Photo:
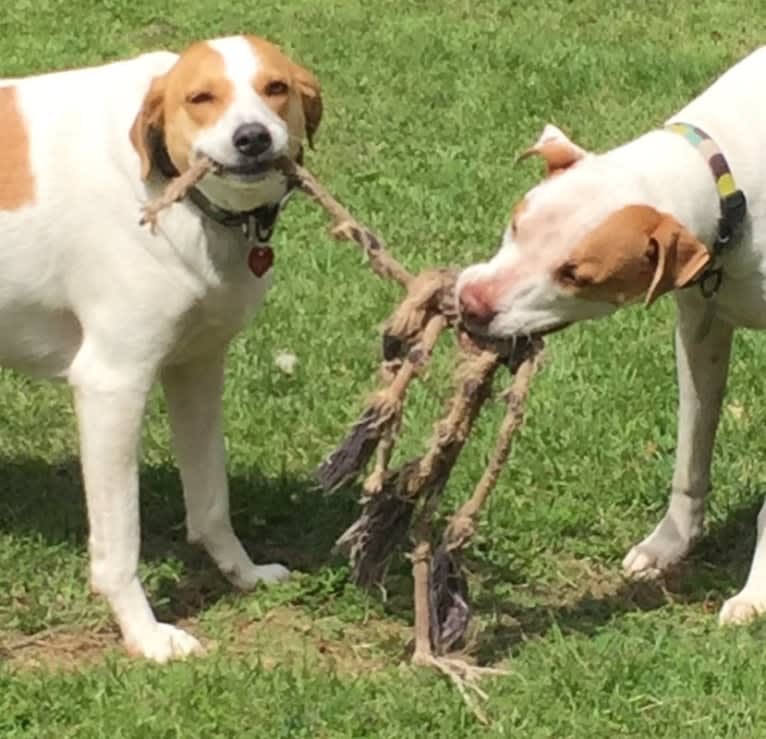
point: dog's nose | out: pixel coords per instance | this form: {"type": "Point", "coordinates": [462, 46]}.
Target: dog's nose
{"type": "Point", "coordinates": [252, 139]}
{"type": "Point", "coordinates": [475, 306]}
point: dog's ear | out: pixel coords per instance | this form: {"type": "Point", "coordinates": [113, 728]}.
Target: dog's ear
{"type": "Point", "coordinates": [149, 117]}
{"type": "Point", "coordinates": [557, 149]}
{"type": "Point", "coordinates": [679, 257]}
{"type": "Point", "coordinates": [311, 98]}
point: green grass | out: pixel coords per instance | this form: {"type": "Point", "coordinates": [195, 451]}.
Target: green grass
{"type": "Point", "coordinates": [427, 106]}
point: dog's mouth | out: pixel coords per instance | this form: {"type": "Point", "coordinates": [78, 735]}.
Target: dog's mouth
{"type": "Point", "coordinates": [553, 329]}
{"type": "Point", "coordinates": [246, 171]}
{"type": "Point", "coordinates": [481, 335]}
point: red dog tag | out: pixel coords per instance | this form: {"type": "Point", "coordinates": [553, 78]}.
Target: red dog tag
{"type": "Point", "coordinates": [260, 260]}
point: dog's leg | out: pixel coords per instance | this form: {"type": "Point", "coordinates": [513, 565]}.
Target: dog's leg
{"type": "Point", "coordinates": [194, 394]}
{"type": "Point", "coordinates": [110, 427]}
{"type": "Point", "coordinates": [751, 600]}
{"type": "Point", "coordinates": [702, 370]}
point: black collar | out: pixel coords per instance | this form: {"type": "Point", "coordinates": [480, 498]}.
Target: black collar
{"type": "Point", "coordinates": [258, 223]}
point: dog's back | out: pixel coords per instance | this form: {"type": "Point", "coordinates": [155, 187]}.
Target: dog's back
{"type": "Point", "coordinates": [67, 168]}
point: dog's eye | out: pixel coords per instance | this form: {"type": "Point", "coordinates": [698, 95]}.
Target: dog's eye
{"type": "Point", "coordinates": [567, 275]}
{"type": "Point", "coordinates": [198, 98]}
{"type": "Point", "coordinates": [276, 87]}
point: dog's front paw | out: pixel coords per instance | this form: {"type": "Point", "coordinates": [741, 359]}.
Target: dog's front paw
{"type": "Point", "coordinates": [643, 562]}
{"type": "Point", "coordinates": [162, 643]}
{"type": "Point", "coordinates": [273, 573]}
{"type": "Point", "coordinates": [235, 564]}
{"type": "Point", "coordinates": [248, 578]}
{"type": "Point", "coordinates": [742, 608]}
{"type": "Point", "coordinates": [655, 554]}
{"type": "Point", "coordinates": [670, 542]}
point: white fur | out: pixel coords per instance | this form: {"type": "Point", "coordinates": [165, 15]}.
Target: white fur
{"type": "Point", "coordinates": [662, 170]}
{"type": "Point", "coordinates": [90, 297]}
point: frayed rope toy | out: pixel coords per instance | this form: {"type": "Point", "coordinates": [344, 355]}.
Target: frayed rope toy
{"type": "Point", "coordinates": [404, 499]}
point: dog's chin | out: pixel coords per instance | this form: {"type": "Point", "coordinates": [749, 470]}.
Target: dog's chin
{"type": "Point", "coordinates": [552, 329]}
{"type": "Point", "coordinates": [486, 334]}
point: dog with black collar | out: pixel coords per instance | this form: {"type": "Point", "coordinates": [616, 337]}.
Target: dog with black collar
{"type": "Point", "coordinates": [89, 296]}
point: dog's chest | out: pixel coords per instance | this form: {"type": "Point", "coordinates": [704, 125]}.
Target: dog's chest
{"type": "Point", "coordinates": [232, 285]}
{"type": "Point", "coordinates": [742, 303]}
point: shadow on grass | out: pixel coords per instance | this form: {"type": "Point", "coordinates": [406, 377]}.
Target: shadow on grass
{"type": "Point", "coordinates": [716, 569]}
{"type": "Point", "coordinates": [281, 519]}
{"type": "Point", "coordinates": [287, 520]}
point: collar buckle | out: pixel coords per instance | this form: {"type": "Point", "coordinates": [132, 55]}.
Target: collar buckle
{"type": "Point", "coordinates": [734, 207]}
{"type": "Point", "coordinates": [733, 211]}
{"type": "Point", "coordinates": [249, 228]}
{"type": "Point", "coordinates": [710, 282]}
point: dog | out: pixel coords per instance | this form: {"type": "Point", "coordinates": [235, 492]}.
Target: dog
{"type": "Point", "coordinates": [90, 297]}
{"type": "Point", "coordinates": [682, 210]}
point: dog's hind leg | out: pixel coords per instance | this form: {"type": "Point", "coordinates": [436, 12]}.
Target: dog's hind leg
{"type": "Point", "coordinates": [194, 394]}
{"type": "Point", "coordinates": [702, 366]}
{"type": "Point", "coordinates": [751, 600]}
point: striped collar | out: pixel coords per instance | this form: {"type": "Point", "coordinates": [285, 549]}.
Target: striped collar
{"type": "Point", "coordinates": [732, 201]}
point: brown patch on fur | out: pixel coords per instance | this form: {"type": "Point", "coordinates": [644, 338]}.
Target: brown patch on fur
{"type": "Point", "coordinates": [558, 151]}
{"type": "Point", "coordinates": [193, 95]}
{"type": "Point", "coordinates": [149, 117]}
{"type": "Point", "coordinates": [17, 181]}
{"type": "Point", "coordinates": [636, 251]}
{"type": "Point", "coordinates": [516, 212]}
{"type": "Point", "coordinates": [300, 106]}
{"type": "Point", "coordinates": [558, 156]}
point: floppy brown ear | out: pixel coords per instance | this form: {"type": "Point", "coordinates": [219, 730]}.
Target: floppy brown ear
{"type": "Point", "coordinates": [680, 258]}
{"type": "Point", "coordinates": [149, 117]}
{"type": "Point", "coordinates": [311, 97]}
{"type": "Point", "coordinates": [557, 149]}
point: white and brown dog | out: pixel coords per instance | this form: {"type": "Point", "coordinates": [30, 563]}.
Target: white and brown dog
{"type": "Point", "coordinates": [89, 296]}
{"type": "Point", "coordinates": [659, 214]}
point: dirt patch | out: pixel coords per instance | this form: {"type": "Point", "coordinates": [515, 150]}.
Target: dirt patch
{"type": "Point", "coordinates": [286, 635]}
{"type": "Point", "coordinates": [57, 648]}
{"type": "Point", "coordinates": [576, 580]}
{"type": "Point", "coordinates": [283, 636]}
{"type": "Point", "coordinates": [580, 596]}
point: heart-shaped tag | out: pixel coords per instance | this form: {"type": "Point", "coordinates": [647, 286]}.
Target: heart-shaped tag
{"type": "Point", "coordinates": [260, 260]}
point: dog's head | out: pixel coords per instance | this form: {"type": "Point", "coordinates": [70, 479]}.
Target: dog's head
{"type": "Point", "coordinates": [239, 101]}
{"type": "Point", "coordinates": [578, 246]}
